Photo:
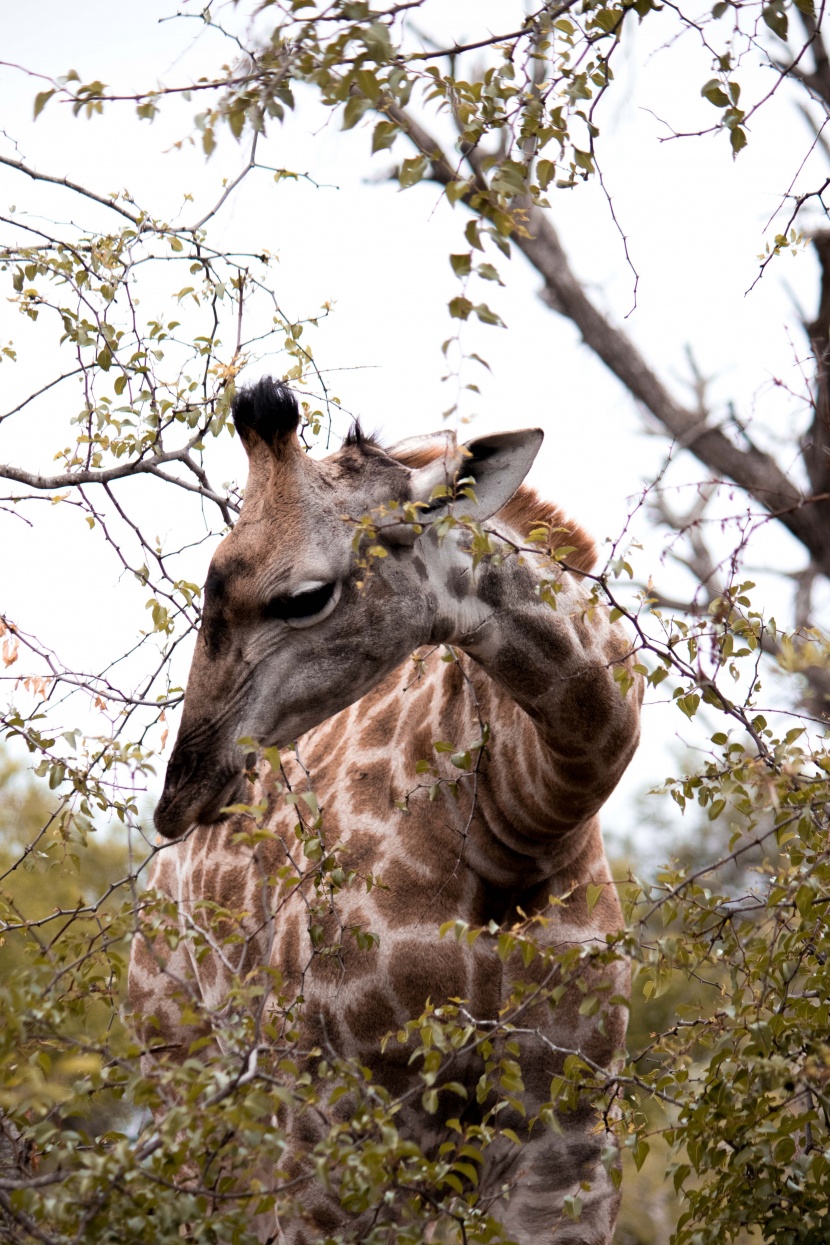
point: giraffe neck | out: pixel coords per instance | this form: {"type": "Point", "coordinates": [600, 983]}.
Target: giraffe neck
{"type": "Point", "coordinates": [560, 661]}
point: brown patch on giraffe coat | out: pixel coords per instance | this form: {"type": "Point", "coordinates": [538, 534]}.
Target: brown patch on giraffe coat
{"type": "Point", "coordinates": [391, 1068]}
{"type": "Point", "coordinates": [289, 949]}
{"type": "Point", "coordinates": [213, 878]}
{"type": "Point", "coordinates": [344, 1108]}
{"type": "Point", "coordinates": [486, 981]}
{"type": "Point", "coordinates": [375, 734]}
{"type": "Point", "coordinates": [436, 971]}
{"type": "Point", "coordinates": [617, 645]}
{"type": "Point", "coordinates": [320, 742]}
{"type": "Point", "coordinates": [322, 1027]}
{"type": "Point", "coordinates": [514, 670]}
{"type": "Point", "coordinates": [370, 1016]}
{"type": "Point", "coordinates": [606, 914]}
{"type": "Point", "coordinates": [411, 887]}
{"type": "Point", "coordinates": [362, 851]}
{"type": "Point", "coordinates": [146, 962]}
{"type": "Point", "coordinates": [583, 702]}
{"type": "Point", "coordinates": [370, 787]}
{"type": "Point", "coordinates": [208, 971]}
{"type": "Point", "coordinates": [418, 743]}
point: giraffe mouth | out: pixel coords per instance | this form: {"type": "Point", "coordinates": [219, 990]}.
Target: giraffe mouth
{"type": "Point", "coordinates": [182, 806]}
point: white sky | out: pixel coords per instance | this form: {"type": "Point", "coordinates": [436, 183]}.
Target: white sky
{"type": "Point", "coordinates": [695, 222]}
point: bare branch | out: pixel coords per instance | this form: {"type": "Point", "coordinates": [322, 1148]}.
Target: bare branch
{"type": "Point", "coordinates": [81, 190]}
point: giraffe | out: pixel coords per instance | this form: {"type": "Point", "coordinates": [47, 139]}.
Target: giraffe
{"type": "Point", "coordinates": [302, 640]}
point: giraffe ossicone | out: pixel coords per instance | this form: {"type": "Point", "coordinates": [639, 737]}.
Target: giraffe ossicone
{"type": "Point", "coordinates": [303, 640]}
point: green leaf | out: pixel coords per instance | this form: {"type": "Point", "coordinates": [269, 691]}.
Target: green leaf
{"type": "Point", "coordinates": [713, 91]}
{"type": "Point", "coordinates": [592, 894]}
{"type": "Point", "coordinates": [368, 84]}
{"type": "Point", "coordinates": [456, 190]}
{"type": "Point", "coordinates": [776, 19]}
{"type": "Point", "coordinates": [356, 106]}
{"type": "Point", "coordinates": [461, 264]}
{"type": "Point", "coordinates": [488, 316]}
{"type": "Point", "coordinates": [41, 100]}
{"type": "Point", "coordinates": [460, 308]}
{"type": "Point", "coordinates": [384, 135]}
{"type": "Point", "coordinates": [737, 138]}
{"type": "Point", "coordinates": [572, 1206]}
{"type": "Point", "coordinates": [689, 704]}
{"type": "Point", "coordinates": [412, 171]}
{"type": "Point", "coordinates": [429, 1101]}
{"type": "Point", "coordinates": [545, 171]}
{"type": "Point", "coordinates": [488, 273]}
{"type": "Point", "coordinates": [681, 1173]}
{"type": "Point", "coordinates": [472, 234]}
{"type": "Point", "coordinates": [236, 121]}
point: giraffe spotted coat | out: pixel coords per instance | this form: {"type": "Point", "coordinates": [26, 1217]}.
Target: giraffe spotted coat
{"type": "Point", "coordinates": [298, 642]}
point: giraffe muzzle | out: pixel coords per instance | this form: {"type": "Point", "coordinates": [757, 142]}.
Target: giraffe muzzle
{"type": "Point", "coordinates": [187, 800]}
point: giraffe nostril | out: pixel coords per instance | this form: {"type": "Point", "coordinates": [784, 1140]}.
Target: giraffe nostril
{"type": "Point", "coordinates": [180, 769]}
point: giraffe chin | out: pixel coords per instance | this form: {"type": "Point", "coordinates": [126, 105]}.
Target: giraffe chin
{"type": "Point", "coordinates": [179, 811]}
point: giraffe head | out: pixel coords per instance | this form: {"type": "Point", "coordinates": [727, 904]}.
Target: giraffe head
{"type": "Point", "coordinates": [292, 629]}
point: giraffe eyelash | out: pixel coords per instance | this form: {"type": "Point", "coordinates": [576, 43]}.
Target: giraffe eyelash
{"type": "Point", "coordinates": [303, 608]}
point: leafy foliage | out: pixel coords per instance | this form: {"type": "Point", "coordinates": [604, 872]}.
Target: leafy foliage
{"type": "Point", "coordinates": [727, 1074]}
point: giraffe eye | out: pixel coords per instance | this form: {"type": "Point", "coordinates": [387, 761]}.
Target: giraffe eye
{"type": "Point", "coordinates": [309, 604]}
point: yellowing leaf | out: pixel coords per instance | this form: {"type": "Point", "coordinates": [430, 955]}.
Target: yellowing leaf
{"type": "Point", "coordinates": [592, 894]}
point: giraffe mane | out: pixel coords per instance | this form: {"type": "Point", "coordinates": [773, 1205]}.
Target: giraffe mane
{"type": "Point", "coordinates": [525, 511]}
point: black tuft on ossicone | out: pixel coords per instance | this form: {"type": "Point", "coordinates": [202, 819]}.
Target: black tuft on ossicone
{"type": "Point", "coordinates": [366, 442]}
{"type": "Point", "coordinates": [356, 436]}
{"type": "Point", "coordinates": [268, 409]}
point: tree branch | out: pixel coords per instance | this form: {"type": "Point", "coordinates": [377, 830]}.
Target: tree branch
{"type": "Point", "coordinates": [81, 190]}
{"type": "Point", "coordinates": [817, 81]}
{"type": "Point", "coordinates": [750, 468]}
{"type": "Point", "coordinates": [139, 466]}
{"type": "Point", "coordinates": [816, 447]}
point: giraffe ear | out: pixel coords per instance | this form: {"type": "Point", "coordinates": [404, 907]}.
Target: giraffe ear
{"type": "Point", "coordinates": [416, 451]}
{"type": "Point", "coordinates": [496, 464]}
{"type": "Point", "coordinates": [266, 413]}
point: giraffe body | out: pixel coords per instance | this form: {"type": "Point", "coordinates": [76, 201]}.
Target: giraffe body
{"type": "Point", "coordinates": [531, 691]}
